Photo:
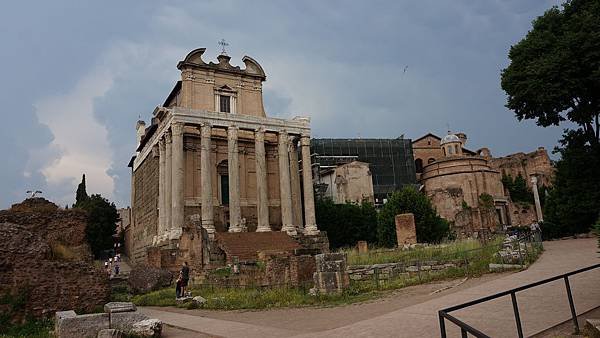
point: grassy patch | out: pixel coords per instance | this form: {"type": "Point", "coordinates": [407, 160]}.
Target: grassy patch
{"type": "Point", "coordinates": [31, 328]}
{"type": "Point", "coordinates": [475, 255]}
{"type": "Point", "coordinates": [450, 251]}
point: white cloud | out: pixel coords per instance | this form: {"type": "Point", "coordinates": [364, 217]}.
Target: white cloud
{"type": "Point", "coordinates": [81, 139]}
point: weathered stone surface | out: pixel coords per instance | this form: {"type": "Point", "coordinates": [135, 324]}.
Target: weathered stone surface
{"type": "Point", "coordinates": [406, 231]}
{"type": "Point", "coordinates": [199, 300]}
{"type": "Point", "coordinates": [182, 300]}
{"type": "Point", "coordinates": [45, 248]}
{"type": "Point", "coordinates": [59, 317]}
{"type": "Point", "coordinates": [83, 326]}
{"type": "Point", "coordinates": [125, 320]}
{"type": "Point", "coordinates": [362, 246]}
{"type": "Point", "coordinates": [144, 278]}
{"type": "Point", "coordinates": [331, 275]}
{"type": "Point", "coordinates": [110, 333]}
{"type": "Point", "coordinates": [148, 328]}
{"type": "Point", "coordinates": [592, 328]}
{"type": "Point", "coordinates": [114, 307]}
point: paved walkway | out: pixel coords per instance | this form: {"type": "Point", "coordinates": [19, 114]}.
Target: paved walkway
{"type": "Point", "coordinates": [540, 308]}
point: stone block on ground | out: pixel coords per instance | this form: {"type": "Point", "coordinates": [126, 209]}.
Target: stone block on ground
{"type": "Point", "coordinates": [125, 320]}
{"type": "Point", "coordinates": [362, 247]}
{"type": "Point", "coordinates": [147, 328]}
{"type": "Point", "coordinates": [110, 333]}
{"type": "Point", "coordinates": [182, 300]}
{"type": "Point", "coordinates": [406, 231]}
{"type": "Point", "coordinates": [144, 278]}
{"type": "Point", "coordinates": [59, 317]}
{"type": "Point", "coordinates": [83, 326]}
{"type": "Point", "coordinates": [199, 300]}
{"type": "Point", "coordinates": [592, 328]}
{"type": "Point", "coordinates": [114, 307]}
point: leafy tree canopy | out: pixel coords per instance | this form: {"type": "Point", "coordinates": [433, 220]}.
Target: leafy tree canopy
{"type": "Point", "coordinates": [430, 227]}
{"type": "Point", "coordinates": [573, 204]}
{"type": "Point", "coordinates": [554, 72]}
{"type": "Point", "coordinates": [102, 222]}
{"type": "Point", "coordinates": [348, 223]}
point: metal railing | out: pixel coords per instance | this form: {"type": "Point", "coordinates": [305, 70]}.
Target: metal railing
{"type": "Point", "coordinates": [466, 328]}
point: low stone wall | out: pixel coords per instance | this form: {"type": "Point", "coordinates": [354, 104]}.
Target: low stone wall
{"type": "Point", "coordinates": [389, 270]}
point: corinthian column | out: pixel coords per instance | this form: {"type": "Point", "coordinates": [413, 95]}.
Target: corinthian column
{"type": "Point", "coordinates": [310, 227]}
{"type": "Point", "coordinates": [295, 184]}
{"type": "Point", "coordinates": [161, 187]}
{"type": "Point", "coordinates": [285, 194]}
{"type": "Point", "coordinates": [233, 169]}
{"type": "Point", "coordinates": [168, 181]}
{"type": "Point", "coordinates": [206, 179]}
{"type": "Point", "coordinates": [262, 198]}
{"type": "Point", "coordinates": [178, 177]}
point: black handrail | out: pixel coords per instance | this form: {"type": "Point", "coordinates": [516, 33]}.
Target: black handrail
{"type": "Point", "coordinates": [466, 328]}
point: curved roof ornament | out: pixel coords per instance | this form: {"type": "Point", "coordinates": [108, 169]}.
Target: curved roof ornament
{"type": "Point", "coordinates": [194, 57]}
{"type": "Point", "coordinates": [253, 67]}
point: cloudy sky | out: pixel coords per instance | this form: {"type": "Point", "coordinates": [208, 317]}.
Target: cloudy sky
{"type": "Point", "coordinates": [77, 74]}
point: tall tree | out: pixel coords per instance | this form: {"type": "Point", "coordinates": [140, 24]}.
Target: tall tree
{"type": "Point", "coordinates": [81, 194]}
{"type": "Point", "coordinates": [102, 222]}
{"type": "Point", "coordinates": [554, 72]}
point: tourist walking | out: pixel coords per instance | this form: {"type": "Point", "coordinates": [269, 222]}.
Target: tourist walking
{"type": "Point", "coordinates": [117, 266]}
{"type": "Point", "coordinates": [185, 277]}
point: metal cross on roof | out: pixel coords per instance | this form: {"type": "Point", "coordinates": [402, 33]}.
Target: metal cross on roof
{"type": "Point", "coordinates": [223, 44]}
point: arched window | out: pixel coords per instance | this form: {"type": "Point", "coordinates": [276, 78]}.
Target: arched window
{"type": "Point", "coordinates": [419, 165]}
{"type": "Point", "coordinates": [430, 160]}
{"type": "Point", "coordinates": [450, 150]}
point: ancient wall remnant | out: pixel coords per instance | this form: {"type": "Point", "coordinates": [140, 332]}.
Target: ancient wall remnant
{"type": "Point", "coordinates": [331, 275]}
{"type": "Point", "coordinates": [406, 231]}
{"type": "Point", "coordinates": [45, 258]}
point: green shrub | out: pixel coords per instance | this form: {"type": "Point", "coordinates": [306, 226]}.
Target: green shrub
{"type": "Point", "coordinates": [347, 223]}
{"type": "Point", "coordinates": [430, 227]}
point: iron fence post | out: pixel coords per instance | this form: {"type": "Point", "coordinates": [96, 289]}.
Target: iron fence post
{"type": "Point", "coordinates": [513, 297]}
{"type": "Point", "coordinates": [572, 305]}
{"type": "Point", "coordinates": [442, 325]}
{"type": "Point", "coordinates": [463, 332]}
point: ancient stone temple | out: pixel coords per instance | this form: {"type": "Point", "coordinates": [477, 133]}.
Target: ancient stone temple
{"type": "Point", "coordinates": [211, 158]}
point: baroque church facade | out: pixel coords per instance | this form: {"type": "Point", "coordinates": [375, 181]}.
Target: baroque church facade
{"type": "Point", "coordinates": [212, 157]}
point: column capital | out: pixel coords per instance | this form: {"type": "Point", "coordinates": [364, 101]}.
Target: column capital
{"type": "Point", "coordinates": [305, 140]}
{"type": "Point", "coordinates": [206, 130]}
{"type": "Point", "coordinates": [177, 128]}
{"type": "Point", "coordinates": [161, 144]}
{"type": "Point", "coordinates": [260, 130]}
{"type": "Point", "coordinates": [168, 136]}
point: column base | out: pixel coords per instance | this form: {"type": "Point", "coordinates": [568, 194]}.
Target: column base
{"type": "Point", "coordinates": [311, 230]}
{"type": "Point", "coordinates": [290, 229]}
{"type": "Point", "coordinates": [209, 227]}
{"type": "Point", "coordinates": [263, 229]}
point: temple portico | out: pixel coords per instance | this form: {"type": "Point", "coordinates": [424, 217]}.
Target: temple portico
{"type": "Point", "coordinates": [179, 129]}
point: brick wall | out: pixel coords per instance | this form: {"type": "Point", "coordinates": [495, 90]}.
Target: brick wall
{"type": "Point", "coordinates": [145, 209]}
